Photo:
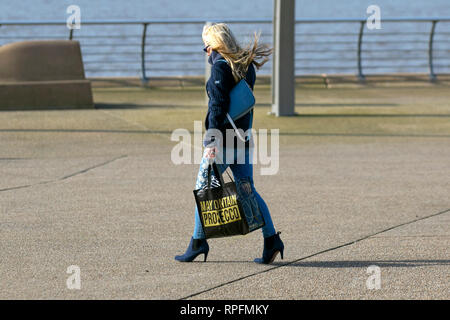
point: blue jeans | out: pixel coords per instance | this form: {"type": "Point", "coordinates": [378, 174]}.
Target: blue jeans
{"type": "Point", "coordinates": [243, 176]}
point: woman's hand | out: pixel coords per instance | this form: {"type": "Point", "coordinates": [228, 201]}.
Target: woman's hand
{"type": "Point", "coordinates": [210, 152]}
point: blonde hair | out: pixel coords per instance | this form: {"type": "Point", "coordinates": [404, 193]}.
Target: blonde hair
{"type": "Point", "coordinates": [220, 38]}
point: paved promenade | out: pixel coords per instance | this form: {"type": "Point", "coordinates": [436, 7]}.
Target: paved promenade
{"type": "Point", "coordinates": [363, 181]}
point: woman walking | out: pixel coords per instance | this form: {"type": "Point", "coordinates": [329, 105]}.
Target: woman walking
{"type": "Point", "coordinates": [230, 64]}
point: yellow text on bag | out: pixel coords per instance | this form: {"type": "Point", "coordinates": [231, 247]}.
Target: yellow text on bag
{"type": "Point", "coordinates": [220, 212]}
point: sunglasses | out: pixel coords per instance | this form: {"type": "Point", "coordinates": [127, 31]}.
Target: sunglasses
{"type": "Point", "coordinates": [206, 48]}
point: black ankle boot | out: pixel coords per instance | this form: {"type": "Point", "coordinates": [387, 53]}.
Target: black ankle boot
{"type": "Point", "coordinates": [196, 247]}
{"type": "Point", "coordinates": [272, 245]}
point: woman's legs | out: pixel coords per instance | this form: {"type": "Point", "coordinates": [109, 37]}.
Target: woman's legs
{"type": "Point", "coordinates": [268, 230]}
{"type": "Point", "coordinates": [243, 176]}
{"type": "Point", "coordinates": [198, 230]}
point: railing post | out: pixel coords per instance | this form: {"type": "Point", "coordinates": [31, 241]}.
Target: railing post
{"type": "Point", "coordinates": [361, 76]}
{"type": "Point", "coordinates": [430, 52]}
{"type": "Point", "coordinates": [274, 69]}
{"type": "Point", "coordinates": [284, 59]}
{"type": "Point", "coordinates": [144, 78]}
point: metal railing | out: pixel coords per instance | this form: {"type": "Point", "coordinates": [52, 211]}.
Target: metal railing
{"type": "Point", "coordinates": [386, 45]}
{"type": "Point", "coordinates": [173, 47]}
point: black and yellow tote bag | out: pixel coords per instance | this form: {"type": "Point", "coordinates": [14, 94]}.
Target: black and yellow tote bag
{"type": "Point", "coordinates": [220, 209]}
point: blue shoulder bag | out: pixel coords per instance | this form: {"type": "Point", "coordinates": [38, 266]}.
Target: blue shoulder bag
{"type": "Point", "coordinates": [242, 102]}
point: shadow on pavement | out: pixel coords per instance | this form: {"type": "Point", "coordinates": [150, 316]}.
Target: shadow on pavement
{"type": "Point", "coordinates": [339, 105]}
{"type": "Point", "coordinates": [343, 264]}
{"type": "Point", "coordinates": [135, 106]}
{"type": "Point", "coordinates": [362, 264]}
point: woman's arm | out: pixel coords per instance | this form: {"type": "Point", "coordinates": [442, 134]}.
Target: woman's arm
{"type": "Point", "coordinates": [219, 87]}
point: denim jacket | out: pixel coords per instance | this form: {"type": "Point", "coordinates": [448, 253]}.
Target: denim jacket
{"type": "Point", "coordinates": [218, 88]}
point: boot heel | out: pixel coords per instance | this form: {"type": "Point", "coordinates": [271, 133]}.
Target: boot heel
{"type": "Point", "coordinates": [196, 247]}
{"type": "Point", "coordinates": [272, 246]}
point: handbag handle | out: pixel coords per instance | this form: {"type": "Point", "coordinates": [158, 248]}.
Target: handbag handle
{"type": "Point", "coordinates": [217, 174]}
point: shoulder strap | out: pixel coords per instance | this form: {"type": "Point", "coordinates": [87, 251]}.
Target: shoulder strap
{"type": "Point", "coordinates": [223, 60]}
{"type": "Point", "coordinates": [238, 134]}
